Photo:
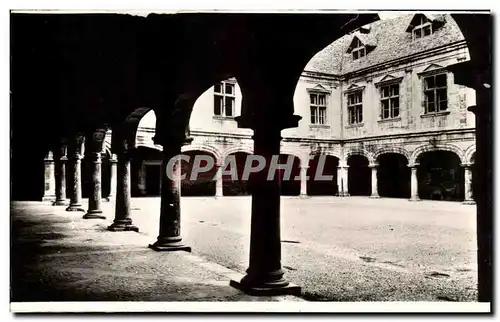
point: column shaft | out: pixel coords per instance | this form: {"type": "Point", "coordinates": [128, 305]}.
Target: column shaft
{"type": "Point", "coordinates": [169, 238]}
{"type": "Point", "coordinates": [49, 193]}
{"type": "Point", "coordinates": [75, 203]}
{"type": "Point", "coordinates": [414, 184]}
{"type": "Point", "coordinates": [303, 181]}
{"type": "Point", "coordinates": [123, 220]}
{"type": "Point", "coordinates": [374, 182]}
{"type": "Point", "coordinates": [141, 184]}
{"type": "Point", "coordinates": [468, 199]}
{"type": "Point", "coordinates": [60, 182]}
{"type": "Point", "coordinates": [112, 178]}
{"type": "Point", "coordinates": [94, 210]}
{"type": "Point", "coordinates": [219, 187]}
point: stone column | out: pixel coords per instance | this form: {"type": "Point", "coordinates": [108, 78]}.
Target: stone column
{"type": "Point", "coordinates": [414, 182]}
{"type": "Point", "coordinates": [468, 200]}
{"type": "Point", "coordinates": [374, 181]}
{"type": "Point", "coordinates": [112, 178]}
{"type": "Point", "coordinates": [303, 181]}
{"type": "Point", "coordinates": [219, 183]}
{"type": "Point", "coordinates": [95, 149]}
{"type": "Point", "coordinates": [123, 220]}
{"type": "Point", "coordinates": [75, 150]}
{"type": "Point", "coordinates": [264, 274]}
{"type": "Point", "coordinates": [169, 238]}
{"type": "Point", "coordinates": [49, 193]}
{"type": "Point", "coordinates": [342, 177]}
{"type": "Point", "coordinates": [60, 173]}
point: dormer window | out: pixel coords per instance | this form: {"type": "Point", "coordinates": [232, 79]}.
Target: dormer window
{"type": "Point", "coordinates": [358, 49]}
{"type": "Point", "coordinates": [425, 25]}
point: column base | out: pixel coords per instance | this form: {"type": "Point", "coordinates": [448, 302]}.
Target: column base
{"type": "Point", "coordinates": [265, 290]}
{"type": "Point", "coordinates": [343, 194]}
{"type": "Point", "coordinates": [75, 208]}
{"type": "Point", "coordinates": [92, 214]}
{"type": "Point", "coordinates": [414, 199]}
{"type": "Point", "coordinates": [166, 247]}
{"type": "Point", "coordinates": [468, 202]}
{"type": "Point", "coordinates": [304, 196]}
{"type": "Point", "coordinates": [374, 197]}
{"type": "Point", "coordinates": [123, 227]}
{"type": "Point", "coordinates": [48, 198]}
{"type": "Point", "coordinates": [60, 203]}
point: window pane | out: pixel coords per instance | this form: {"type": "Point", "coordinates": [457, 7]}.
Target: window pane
{"type": "Point", "coordinates": [441, 80]}
{"type": "Point", "coordinates": [313, 114]}
{"type": "Point", "coordinates": [354, 55]}
{"type": "Point", "coordinates": [395, 102]}
{"type": "Point", "coordinates": [218, 88]}
{"type": "Point", "coordinates": [395, 112]}
{"type": "Point", "coordinates": [385, 91]}
{"type": "Point", "coordinates": [430, 107]}
{"type": "Point", "coordinates": [429, 82]}
{"type": "Point", "coordinates": [313, 98]}
{"type": "Point", "coordinates": [427, 30]}
{"type": "Point", "coordinates": [359, 97]}
{"type": "Point", "coordinates": [394, 90]}
{"type": "Point", "coordinates": [217, 105]}
{"type": "Point", "coordinates": [230, 89]}
{"type": "Point", "coordinates": [418, 33]}
{"type": "Point", "coordinates": [350, 99]}
{"type": "Point", "coordinates": [443, 105]}
{"type": "Point", "coordinates": [321, 100]}
{"type": "Point", "coordinates": [441, 94]}
{"type": "Point", "coordinates": [322, 115]}
{"type": "Point", "coordinates": [229, 106]}
{"type": "Point", "coordinates": [351, 115]}
{"type": "Point", "coordinates": [362, 53]}
{"type": "Point", "coordinates": [360, 114]}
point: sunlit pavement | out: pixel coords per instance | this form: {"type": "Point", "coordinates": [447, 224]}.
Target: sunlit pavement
{"type": "Point", "coordinates": [344, 249]}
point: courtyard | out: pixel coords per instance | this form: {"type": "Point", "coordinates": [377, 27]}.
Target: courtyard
{"type": "Point", "coordinates": [336, 249]}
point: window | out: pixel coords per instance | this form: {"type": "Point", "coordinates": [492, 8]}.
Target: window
{"type": "Point", "coordinates": [435, 94]}
{"type": "Point", "coordinates": [423, 29]}
{"type": "Point", "coordinates": [355, 107]}
{"type": "Point", "coordinates": [389, 99]}
{"type": "Point", "coordinates": [359, 49]}
{"type": "Point", "coordinates": [318, 108]}
{"type": "Point", "coordinates": [224, 97]}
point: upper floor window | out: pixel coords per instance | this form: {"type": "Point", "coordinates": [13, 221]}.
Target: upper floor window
{"type": "Point", "coordinates": [358, 49]}
{"type": "Point", "coordinates": [424, 28]}
{"type": "Point", "coordinates": [435, 93]}
{"type": "Point", "coordinates": [224, 98]}
{"type": "Point", "coordinates": [318, 108]}
{"type": "Point", "coordinates": [355, 107]}
{"type": "Point", "coordinates": [389, 99]}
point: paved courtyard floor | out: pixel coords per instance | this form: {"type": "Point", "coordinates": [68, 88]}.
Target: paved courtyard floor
{"type": "Point", "coordinates": [337, 249]}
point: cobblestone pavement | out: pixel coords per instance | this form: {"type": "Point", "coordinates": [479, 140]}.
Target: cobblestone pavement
{"type": "Point", "coordinates": [337, 249]}
{"type": "Point", "coordinates": [342, 249]}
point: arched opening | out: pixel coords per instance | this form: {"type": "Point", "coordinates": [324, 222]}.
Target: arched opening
{"type": "Point", "coordinates": [236, 187]}
{"type": "Point", "coordinates": [196, 183]}
{"type": "Point", "coordinates": [440, 176]}
{"type": "Point", "coordinates": [359, 176]}
{"type": "Point", "coordinates": [393, 176]}
{"type": "Point", "coordinates": [290, 186]}
{"type": "Point", "coordinates": [316, 186]}
{"type": "Point", "coordinates": [146, 172]}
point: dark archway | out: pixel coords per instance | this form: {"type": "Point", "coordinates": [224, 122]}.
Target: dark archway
{"type": "Point", "coordinates": [146, 172]}
{"type": "Point", "coordinates": [237, 187]}
{"type": "Point", "coordinates": [440, 176]}
{"type": "Point", "coordinates": [318, 187]}
{"type": "Point", "coordinates": [289, 186]}
{"type": "Point", "coordinates": [359, 176]}
{"type": "Point", "coordinates": [393, 176]}
{"type": "Point", "coordinates": [203, 183]}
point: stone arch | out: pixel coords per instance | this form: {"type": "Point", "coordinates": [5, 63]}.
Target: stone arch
{"type": "Point", "coordinates": [362, 152]}
{"type": "Point", "coordinates": [205, 148]}
{"type": "Point", "coordinates": [391, 149]}
{"type": "Point", "coordinates": [469, 153]}
{"type": "Point", "coordinates": [415, 155]}
{"type": "Point", "coordinates": [304, 158]}
{"type": "Point", "coordinates": [236, 149]}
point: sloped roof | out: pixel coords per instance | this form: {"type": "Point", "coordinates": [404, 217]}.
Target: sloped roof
{"type": "Point", "coordinates": [392, 42]}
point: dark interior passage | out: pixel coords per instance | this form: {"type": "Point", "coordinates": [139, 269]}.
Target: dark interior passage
{"type": "Point", "coordinates": [237, 187]}
{"type": "Point", "coordinates": [316, 186]}
{"type": "Point", "coordinates": [440, 176]}
{"type": "Point", "coordinates": [202, 183]}
{"type": "Point", "coordinates": [289, 186]}
{"type": "Point", "coordinates": [393, 176]}
{"type": "Point", "coordinates": [359, 176]}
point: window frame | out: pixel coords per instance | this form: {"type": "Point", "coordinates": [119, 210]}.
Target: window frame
{"type": "Point", "coordinates": [389, 99]}
{"type": "Point", "coordinates": [224, 96]}
{"type": "Point", "coordinates": [357, 107]}
{"type": "Point", "coordinates": [424, 22]}
{"type": "Point", "coordinates": [318, 107]}
{"type": "Point", "coordinates": [360, 48]}
{"type": "Point", "coordinates": [434, 90]}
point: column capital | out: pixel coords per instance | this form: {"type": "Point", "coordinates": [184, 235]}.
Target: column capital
{"type": "Point", "coordinates": [49, 157]}
{"type": "Point", "coordinates": [413, 165]}
{"type": "Point", "coordinates": [373, 165]}
{"type": "Point", "coordinates": [466, 165]}
{"type": "Point", "coordinates": [113, 158]}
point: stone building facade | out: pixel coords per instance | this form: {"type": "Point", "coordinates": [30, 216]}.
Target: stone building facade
{"type": "Point", "coordinates": [378, 102]}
